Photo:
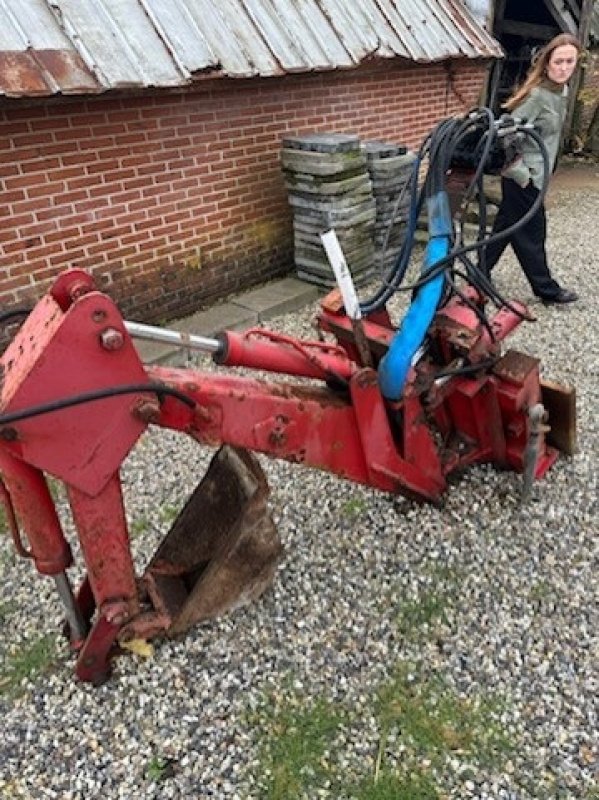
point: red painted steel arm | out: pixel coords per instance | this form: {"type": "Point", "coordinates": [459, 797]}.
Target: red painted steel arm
{"type": "Point", "coordinates": [347, 434]}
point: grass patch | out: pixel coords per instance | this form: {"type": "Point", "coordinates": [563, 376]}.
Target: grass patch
{"type": "Point", "coordinates": [392, 786]}
{"type": "Point", "coordinates": [421, 723]}
{"type": "Point", "coordinates": [294, 754]}
{"type": "Point", "coordinates": [540, 593]}
{"type": "Point", "coordinates": [7, 608]}
{"type": "Point", "coordinates": [427, 609]}
{"type": "Point", "coordinates": [56, 488]}
{"type": "Point", "coordinates": [434, 722]}
{"type": "Point", "coordinates": [142, 525]}
{"type": "Point", "coordinates": [28, 662]}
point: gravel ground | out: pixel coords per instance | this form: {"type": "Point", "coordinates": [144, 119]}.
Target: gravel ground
{"type": "Point", "coordinates": [511, 594]}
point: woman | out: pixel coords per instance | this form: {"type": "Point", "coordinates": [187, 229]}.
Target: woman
{"type": "Point", "coordinates": [541, 101]}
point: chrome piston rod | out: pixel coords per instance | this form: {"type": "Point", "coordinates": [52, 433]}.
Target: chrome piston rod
{"type": "Point", "coordinates": [189, 341]}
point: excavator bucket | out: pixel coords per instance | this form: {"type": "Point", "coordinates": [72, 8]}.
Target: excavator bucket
{"type": "Point", "coordinates": [222, 550]}
{"type": "Point", "coordinates": [560, 405]}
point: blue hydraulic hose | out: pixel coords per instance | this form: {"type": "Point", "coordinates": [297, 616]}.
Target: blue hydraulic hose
{"type": "Point", "coordinates": [394, 366]}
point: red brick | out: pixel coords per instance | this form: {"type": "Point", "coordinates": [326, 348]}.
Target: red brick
{"type": "Point", "coordinates": [52, 189]}
{"type": "Point", "coordinates": [156, 176]}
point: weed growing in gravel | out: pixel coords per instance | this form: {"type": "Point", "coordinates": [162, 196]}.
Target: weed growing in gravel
{"type": "Point", "coordinates": [6, 609]}
{"type": "Point", "coordinates": [540, 592]}
{"type": "Point", "coordinates": [8, 557]}
{"type": "Point", "coordinates": [417, 616]}
{"type": "Point", "coordinates": [159, 769]}
{"type": "Point", "coordinates": [139, 526]}
{"type": "Point", "coordinates": [56, 488]}
{"type": "Point", "coordinates": [354, 507]}
{"type": "Point", "coordinates": [390, 786]}
{"type": "Point", "coordinates": [168, 513]}
{"type": "Point", "coordinates": [143, 524]}
{"type": "Point", "coordinates": [27, 663]}
{"type": "Point", "coordinates": [421, 723]}
{"type": "Point", "coordinates": [427, 608]}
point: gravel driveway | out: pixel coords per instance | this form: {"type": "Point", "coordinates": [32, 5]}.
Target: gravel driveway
{"type": "Point", "coordinates": [380, 605]}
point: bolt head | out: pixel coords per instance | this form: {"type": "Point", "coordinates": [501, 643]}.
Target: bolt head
{"type": "Point", "coordinates": [112, 339]}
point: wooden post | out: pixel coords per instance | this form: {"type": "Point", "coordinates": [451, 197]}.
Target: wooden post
{"type": "Point", "coordinates": [584, 28]}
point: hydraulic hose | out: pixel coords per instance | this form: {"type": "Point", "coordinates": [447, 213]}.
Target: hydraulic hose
{"type": "Point", "coordinates": [394, 366]}
{"type": "Point", "coordinates": [88, 397]}
{"type": "Point", "coordinates": [436, 283]}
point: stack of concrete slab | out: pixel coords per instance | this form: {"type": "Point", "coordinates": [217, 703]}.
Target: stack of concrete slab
{"type": "Point", "coordinates": [390, 168]}
{"type": "Point", "coordinates": [329, 187]}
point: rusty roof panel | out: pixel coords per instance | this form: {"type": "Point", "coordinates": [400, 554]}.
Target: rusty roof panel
{"type": "Point", "coordinates": [19, 74]}
{"type": "Point", "coordinates": [68, 46]}
{"type": "Point", "coordinates": [67, 71]}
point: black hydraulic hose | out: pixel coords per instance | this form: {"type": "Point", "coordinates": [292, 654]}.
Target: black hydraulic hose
{"type": "Point", "coordinates": [489, 139]}
{"type": "Point", "coordinates": [442, 263]}
{"type": "Point", "coordinates": [439, 145]}
{"type": "Point", "coordinates": [482, 211]}
{"type": "Point", "coordinates": [479, 279]}
{"type": "Point", "coordinates": [397, 272]}
{"type": "Point", "coordinates": [413, 179]}
{"type": "Point", "coordinates": [521, 222]}
{"type": "Point", "coordinates": [488, 289]}
{"type": "Point", "coordinates": [88, 397]}
{"type": "Point", "coordinates": [434, 178]}
{"type": "Point", "coordinates": [393, 279]}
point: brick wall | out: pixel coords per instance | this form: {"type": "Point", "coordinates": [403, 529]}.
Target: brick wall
{"type": "Point", "coordinates": [174, 199]}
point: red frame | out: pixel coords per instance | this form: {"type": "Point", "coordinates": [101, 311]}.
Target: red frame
{"type": "Point", "coordinates": [75, 341]}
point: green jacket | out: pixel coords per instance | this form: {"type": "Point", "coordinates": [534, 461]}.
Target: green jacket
{"type": "Point", "coordinates": [545, 107]}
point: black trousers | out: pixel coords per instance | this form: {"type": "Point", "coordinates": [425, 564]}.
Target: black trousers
{"type": "Point", "coordinates": [528, 242]}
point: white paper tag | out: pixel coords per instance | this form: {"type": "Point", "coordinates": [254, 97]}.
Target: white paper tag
{"type": "Point", "coordinates": [330, 242]}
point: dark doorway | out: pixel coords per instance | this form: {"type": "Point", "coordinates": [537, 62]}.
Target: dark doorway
{"type": "Point", "coordinates": [523, 28]}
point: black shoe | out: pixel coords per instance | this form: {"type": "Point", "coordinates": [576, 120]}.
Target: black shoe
{"type": "Point", "coordinates": [563, 296]}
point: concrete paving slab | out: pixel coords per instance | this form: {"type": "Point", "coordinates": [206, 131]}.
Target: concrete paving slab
{"type": "Point", "coordinates": [243, 311]}
{"type": "Point", "coordinates": [277, 298]}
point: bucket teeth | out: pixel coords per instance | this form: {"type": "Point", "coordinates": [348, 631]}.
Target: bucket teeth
{"type": "Point", "coordinates": [222, 550]}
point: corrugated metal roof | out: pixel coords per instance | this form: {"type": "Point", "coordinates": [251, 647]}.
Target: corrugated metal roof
{"type": "Point", "coordinates": [83, 46]}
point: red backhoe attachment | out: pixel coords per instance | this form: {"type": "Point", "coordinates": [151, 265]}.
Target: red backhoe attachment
{"type": "Point", "coordinates": [75, 398]}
